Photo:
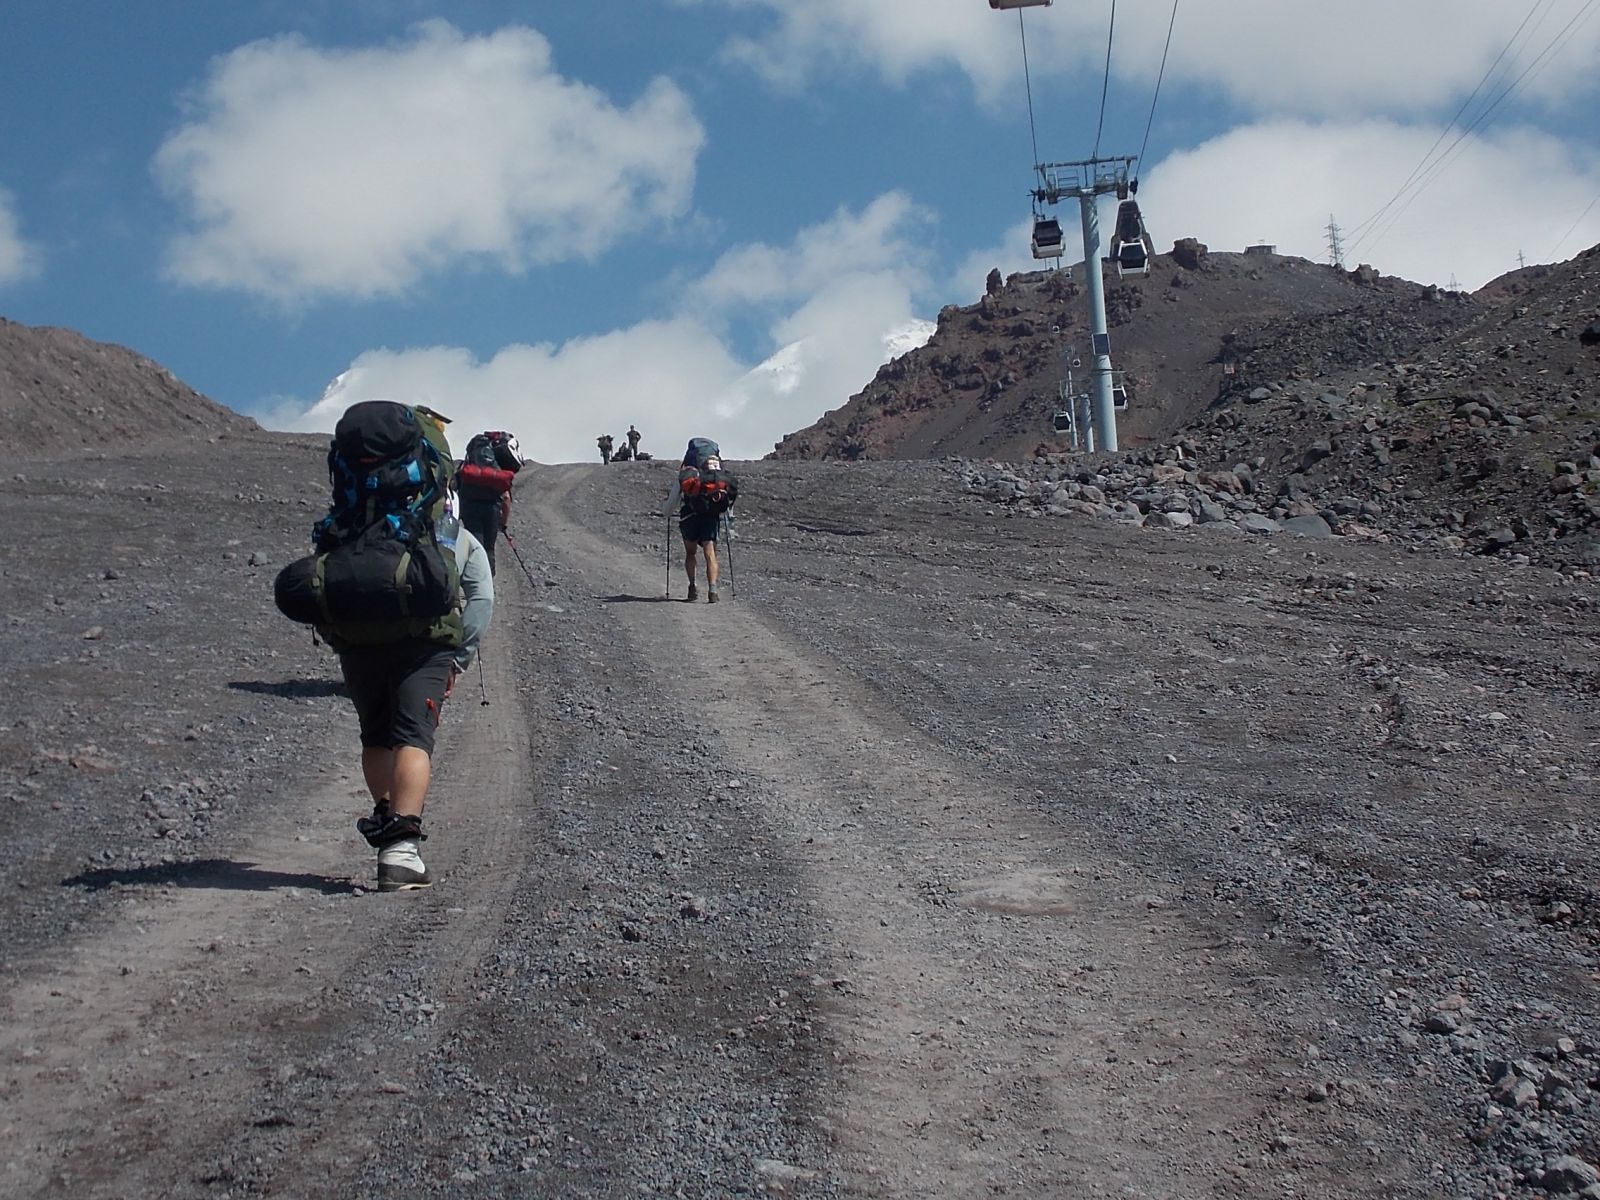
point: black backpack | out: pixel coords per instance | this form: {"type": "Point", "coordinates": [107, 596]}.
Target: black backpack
{"type": "Point", "coordinates": [384, 565]}
{"type": "Point", "coordinates": [488, 465]}
{"type": "Point", "coordinates": [707, 490]}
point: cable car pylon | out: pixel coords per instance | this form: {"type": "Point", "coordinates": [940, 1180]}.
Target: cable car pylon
{"type": "Point", "coordinates": [1087, 180]}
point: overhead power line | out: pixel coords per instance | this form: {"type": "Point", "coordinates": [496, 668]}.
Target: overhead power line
{"type": "Point", "coordinates": [1575, 225]}
{"type": "Point", "coordinates": [1432, 170]}
{"type": "Point", "coordinates": [1359, 231]}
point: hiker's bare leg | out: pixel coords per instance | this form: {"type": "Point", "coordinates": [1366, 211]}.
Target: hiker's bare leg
{"type": "Point", "coordinates": [377, 768]}
{"type": "Point", "coordinates": [401, 776]}
{"type": "Point", "coordinates": [413, 769]}
{"type": "Point", "coordinates": [689, 562]}
{"type": "Point", "coordinates": [711, 564]}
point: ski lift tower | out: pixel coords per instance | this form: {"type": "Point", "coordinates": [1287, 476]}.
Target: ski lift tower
{"type": "Point", "coordinates": [1088, 179]}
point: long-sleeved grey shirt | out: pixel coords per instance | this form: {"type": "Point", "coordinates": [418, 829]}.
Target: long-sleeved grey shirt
{"type": "Point", "coordinates": [477, 595]}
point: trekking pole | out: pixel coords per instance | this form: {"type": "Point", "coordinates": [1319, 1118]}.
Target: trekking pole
{"type": "Point", "coordinates": [512, 543]}
{"type": "Point", "coordinates": [483, 687]}
{"type": "Point", "coordinates": [666, 552]}
{"type": "Point", "coordinates": [727, 530]}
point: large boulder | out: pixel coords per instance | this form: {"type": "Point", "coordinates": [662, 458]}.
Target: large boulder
{"type": "Point", "coordinates": [1189, 253]}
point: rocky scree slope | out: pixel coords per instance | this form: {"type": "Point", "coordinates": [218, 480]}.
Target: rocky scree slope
{"type": "Point", "coordinates": [1274, 393]}
{"type": "Point", "coordinates": [1359, 423]}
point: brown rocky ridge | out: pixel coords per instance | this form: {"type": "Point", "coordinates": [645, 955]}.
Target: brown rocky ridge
{"type": "Point", "coordinates": [1267, 389]}
{"type": "Point", "coordinates": [61, 391]}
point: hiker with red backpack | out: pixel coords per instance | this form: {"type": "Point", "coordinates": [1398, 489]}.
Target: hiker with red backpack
{"type": "Point", "coordinates": [484, 477]}
{"type": "Point", "coordinates": [403, 593]}
{"type": "Point", "coordinates": [705, 492]}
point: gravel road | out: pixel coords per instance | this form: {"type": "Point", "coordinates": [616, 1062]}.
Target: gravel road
{"type": "Point", "coordinates": [961, 853]}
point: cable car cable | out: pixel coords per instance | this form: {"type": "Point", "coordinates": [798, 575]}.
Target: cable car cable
{"type": "Point", "coordinates": [1173, 21]}
{"type": "Point", "coordinates": [1111, 32]}
{"type": "Point", "coordinates": [1027, 85]}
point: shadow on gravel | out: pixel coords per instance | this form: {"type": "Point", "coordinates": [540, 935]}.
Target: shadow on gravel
{"type": "Point", "coordinates": [625, 598]}
{"type": "Point", "coordinates": [220, 873]}
{"type": "Point", "coordinates": [291, 688]}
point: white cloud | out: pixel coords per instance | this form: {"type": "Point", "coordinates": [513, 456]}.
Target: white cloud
{"type": "Point", "coordinates": [1278, 182]}
{"type": "Point", "coordinates": [832, 346]}
{"type": "Point", "coordinates": [19, 259]}
{"type": "Point", "coordinates": [309, 171]}
{"type": "Point", "coordinates": [843, 308]}
{"type": "Point", "coordinates": [1301, 56]}
{"type": "Point", "coordinates": [1369, 56]}
{"type": "Point", "coordinates": [879, 240]}
{"type": "Point", "coordinates": [895, 37]}
{"type": "Point", "coordinates": [556, 399]}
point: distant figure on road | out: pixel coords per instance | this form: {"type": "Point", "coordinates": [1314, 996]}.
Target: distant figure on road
{"type": "Point", "coordinates": [402, 592]}
{"type": "Point", "coordinates": [633, 442]}
{"type": "Point", "coordinates": [622, 453]}
{"type": "Point", "coordinates": [484, 478]}
{"type": "Point", "coordinates": [704, 493]}
{"type": "Point", "coordinates": [604, 442]}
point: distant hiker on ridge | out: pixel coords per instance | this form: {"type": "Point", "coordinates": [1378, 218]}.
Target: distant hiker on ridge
{"type": "Point", "coordinates": [604, 442]}
{"type": "Point", "coordinates": [402, 592]}
{"type": "Point", "coordinates": [633, 442]}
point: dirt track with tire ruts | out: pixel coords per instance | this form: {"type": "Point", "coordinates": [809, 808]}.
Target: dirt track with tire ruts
{"type": "Point", "coordinates": [959, 853]}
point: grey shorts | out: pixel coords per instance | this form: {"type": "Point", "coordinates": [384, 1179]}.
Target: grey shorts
{"type": "Point", "coordinates": [398, 692]}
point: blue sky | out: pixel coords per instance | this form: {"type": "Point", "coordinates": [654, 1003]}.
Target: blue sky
{"type": "Point", "coordinates": [720, 216]}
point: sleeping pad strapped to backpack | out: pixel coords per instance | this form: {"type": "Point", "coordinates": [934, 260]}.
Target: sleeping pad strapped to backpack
{"type": "Point", "coordinates": [384, 569]}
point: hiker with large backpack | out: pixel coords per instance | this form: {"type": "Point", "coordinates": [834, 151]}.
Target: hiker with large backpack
{"type": "Point", "coordinates": [484, 477]}
{"type": "Point", "coordinates": [705, 492]}
{"type": "Point", "coordinates": [403, 593]}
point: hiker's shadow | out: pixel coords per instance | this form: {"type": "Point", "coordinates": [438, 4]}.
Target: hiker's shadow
{"type": "Point", "coordinates": [626, 598]}
{"type": "Point", "coordinates": [223, 874]}
{"type": "Point", "coordinates": [291, 689]}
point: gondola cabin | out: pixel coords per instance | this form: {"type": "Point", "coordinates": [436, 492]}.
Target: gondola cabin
{"type": "Point", "coordinates": [1062, 421]}
{"type": "Point", "coordinates": [1019, 3]}
{"type": "Point", "coordinates": [1047, 238]}
{"type": "Point", "coordinates": [1129, 247]}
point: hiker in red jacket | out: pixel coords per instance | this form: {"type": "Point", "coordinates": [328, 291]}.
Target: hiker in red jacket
{"type": "Point", "coordinates": [488, 468]}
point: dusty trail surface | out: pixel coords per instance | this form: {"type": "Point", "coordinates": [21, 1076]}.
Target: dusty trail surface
{"type": "Point", "coordinates": [960, 854]}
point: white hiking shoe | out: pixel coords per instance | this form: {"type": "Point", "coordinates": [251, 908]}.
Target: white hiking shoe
{"type": "Point", "coordinates": [401, 869]}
